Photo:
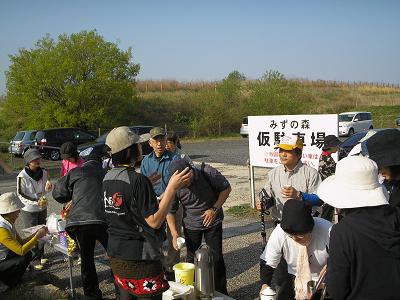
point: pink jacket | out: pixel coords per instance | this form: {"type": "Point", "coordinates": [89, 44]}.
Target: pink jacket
{"type": "Point", "coordinates": [67, 166]}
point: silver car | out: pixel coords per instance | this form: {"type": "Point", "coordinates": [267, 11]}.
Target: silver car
{"type": "Point", "coordinates": [21, 142]}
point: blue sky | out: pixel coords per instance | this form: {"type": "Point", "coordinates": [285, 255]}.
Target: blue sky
{"type": "Point", "coordinates": [206, 40]}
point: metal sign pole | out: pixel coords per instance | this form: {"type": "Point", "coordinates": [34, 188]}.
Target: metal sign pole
{"type": "Point", "coordinates": [252, 184]}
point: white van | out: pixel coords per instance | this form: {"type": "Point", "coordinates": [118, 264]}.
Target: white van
{"type": "Point", "coordinates": [352, 122]}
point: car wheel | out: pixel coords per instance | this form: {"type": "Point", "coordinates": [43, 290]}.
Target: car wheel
{"type": "Point", "coordinates": [244, 135]}
{"type": "Point", "coordinates": [351, 131]}
{"type": "Point", "coordinates": [55, 155]}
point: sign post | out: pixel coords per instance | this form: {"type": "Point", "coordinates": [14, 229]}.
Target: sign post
{"type": "Point", "coordinates": [265, 133]}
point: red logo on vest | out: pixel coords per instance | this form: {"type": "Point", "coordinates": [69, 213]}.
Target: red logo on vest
{"type": "Point", "coordinates": [117, 199]}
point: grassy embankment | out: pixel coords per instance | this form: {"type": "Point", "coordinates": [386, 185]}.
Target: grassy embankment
{"type": "Point", "coordinates": [215, 109]}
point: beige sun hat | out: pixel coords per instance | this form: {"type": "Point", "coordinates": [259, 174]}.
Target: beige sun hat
{"type": "Point", "coordinates": [122, 137]}
{"type": "Point", "coordinates": [9, 202]}
{"type": "Point", "coordinates": [355, 184]}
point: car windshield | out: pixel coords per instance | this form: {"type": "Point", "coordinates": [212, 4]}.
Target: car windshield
{"type": "Point", "coordinates": [353, 140]}
{"type": "Point", "coordinates": [19, 136]}
{"type": "Point", "coordinates": [346, 117]}
{"type": "Point", "coordinates": [245, 121]}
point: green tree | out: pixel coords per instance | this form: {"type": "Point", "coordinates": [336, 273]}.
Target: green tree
{"type": "Point", "coordinates": [236, 75]}
{"type": "Point", "coordinates": [271, 75]}
{"type": "Point", "coordinates": [78, 80]}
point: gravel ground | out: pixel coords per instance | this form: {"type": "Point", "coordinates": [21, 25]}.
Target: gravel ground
{"type": "Point", "coordinates": [242, 240]}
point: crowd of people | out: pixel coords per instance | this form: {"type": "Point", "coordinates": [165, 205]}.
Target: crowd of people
{"type": "Point", "coordinates": [359, 256]}
{"type": "Point", "coordinates": [138, 217]}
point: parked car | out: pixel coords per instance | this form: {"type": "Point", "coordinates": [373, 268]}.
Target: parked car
{"type": "Point", "coordinates": [353, 122]}
{"type": "Point", "coordinates": [398, 121]}
{"type": "Point", "coordinates": [98, 146]}
{"type": "Point", "coordinates": [244, 129]}
{"type": "Point", "coordinates": [21, 142]}
{"type": "Point", "coordinates": [349, 143]}
{"type": "Point", "coordinates": [49, 141]}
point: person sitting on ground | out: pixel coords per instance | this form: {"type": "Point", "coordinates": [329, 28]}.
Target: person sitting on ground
{"type": "Point", "coordinates": [174, 145]}
{"type": "Point", "coordinates": [71, 158]}
{"type": "Point", "coordinates": [32, 185]}
{"type": "Point", "coordinates": [364, 252]}
{"type": "Point", "coordinates": [15, 254]}
{"type": "Point", "coordinates": [383, 148]}
{"type": "Point", "coordinates": [303, 241]}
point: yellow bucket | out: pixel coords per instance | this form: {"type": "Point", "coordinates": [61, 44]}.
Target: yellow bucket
{"type": "Point", "coordinates": [184, 273]}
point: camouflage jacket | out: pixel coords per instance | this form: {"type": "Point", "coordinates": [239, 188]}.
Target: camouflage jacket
{"type": "Point", "coordinates": [327, 166]}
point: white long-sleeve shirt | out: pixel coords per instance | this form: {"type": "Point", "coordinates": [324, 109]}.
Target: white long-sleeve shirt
{"type": "Point", "coordinates": [280, 243]}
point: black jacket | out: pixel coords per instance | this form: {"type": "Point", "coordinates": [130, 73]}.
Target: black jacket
{"type": "Point", "coordinates": [364, 255]}
{"type": "Point", "coordinates": [83, 185]}
{"type": "Point", "coordinates": [393, 188]}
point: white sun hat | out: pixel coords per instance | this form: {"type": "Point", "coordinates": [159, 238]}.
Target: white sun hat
{"type": "Point", "coordinates": [9, 202]}
{"type": "Point", "coordinates": [355, 184]}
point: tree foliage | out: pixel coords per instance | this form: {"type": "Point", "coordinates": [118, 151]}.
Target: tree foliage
{"type": "Point", "coordinates": [78, 80]}
{"type": "Point", "coordinates": [236, 75]}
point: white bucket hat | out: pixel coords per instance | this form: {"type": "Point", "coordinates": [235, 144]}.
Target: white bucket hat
{"type": "Point", "coordinates": [122, 137]}
{"type": "Point", "coordinates": [355, 184]}
{"type": "Point", "coordinates": [9, 202]}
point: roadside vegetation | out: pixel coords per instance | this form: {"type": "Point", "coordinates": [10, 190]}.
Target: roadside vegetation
{"type": "Point", "coordinates": [245, 211]}
{"type": "Point", "coordinates": [68, 82]}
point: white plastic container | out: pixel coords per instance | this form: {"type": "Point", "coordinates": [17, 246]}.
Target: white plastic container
{"type": "Point", "coordinates": [267, 294]}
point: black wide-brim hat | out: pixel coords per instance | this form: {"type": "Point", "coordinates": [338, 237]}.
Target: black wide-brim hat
{"type": "Point", "coordinates": [384, 147]}
{"type": "Point", "coordinates": [296, 217]}
{"type": "Point", "coordinates": [331, 141]}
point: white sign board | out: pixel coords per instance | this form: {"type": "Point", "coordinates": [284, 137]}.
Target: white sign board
{"type": "Point", "coordinates": [265, 133]}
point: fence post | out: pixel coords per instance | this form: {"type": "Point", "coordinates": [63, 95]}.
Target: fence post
{"type": "Point", "coordinates": [99, 131]}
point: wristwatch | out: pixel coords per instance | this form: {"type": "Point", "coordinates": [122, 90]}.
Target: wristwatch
{"type": "Point", "coordinates": [214, 208]}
